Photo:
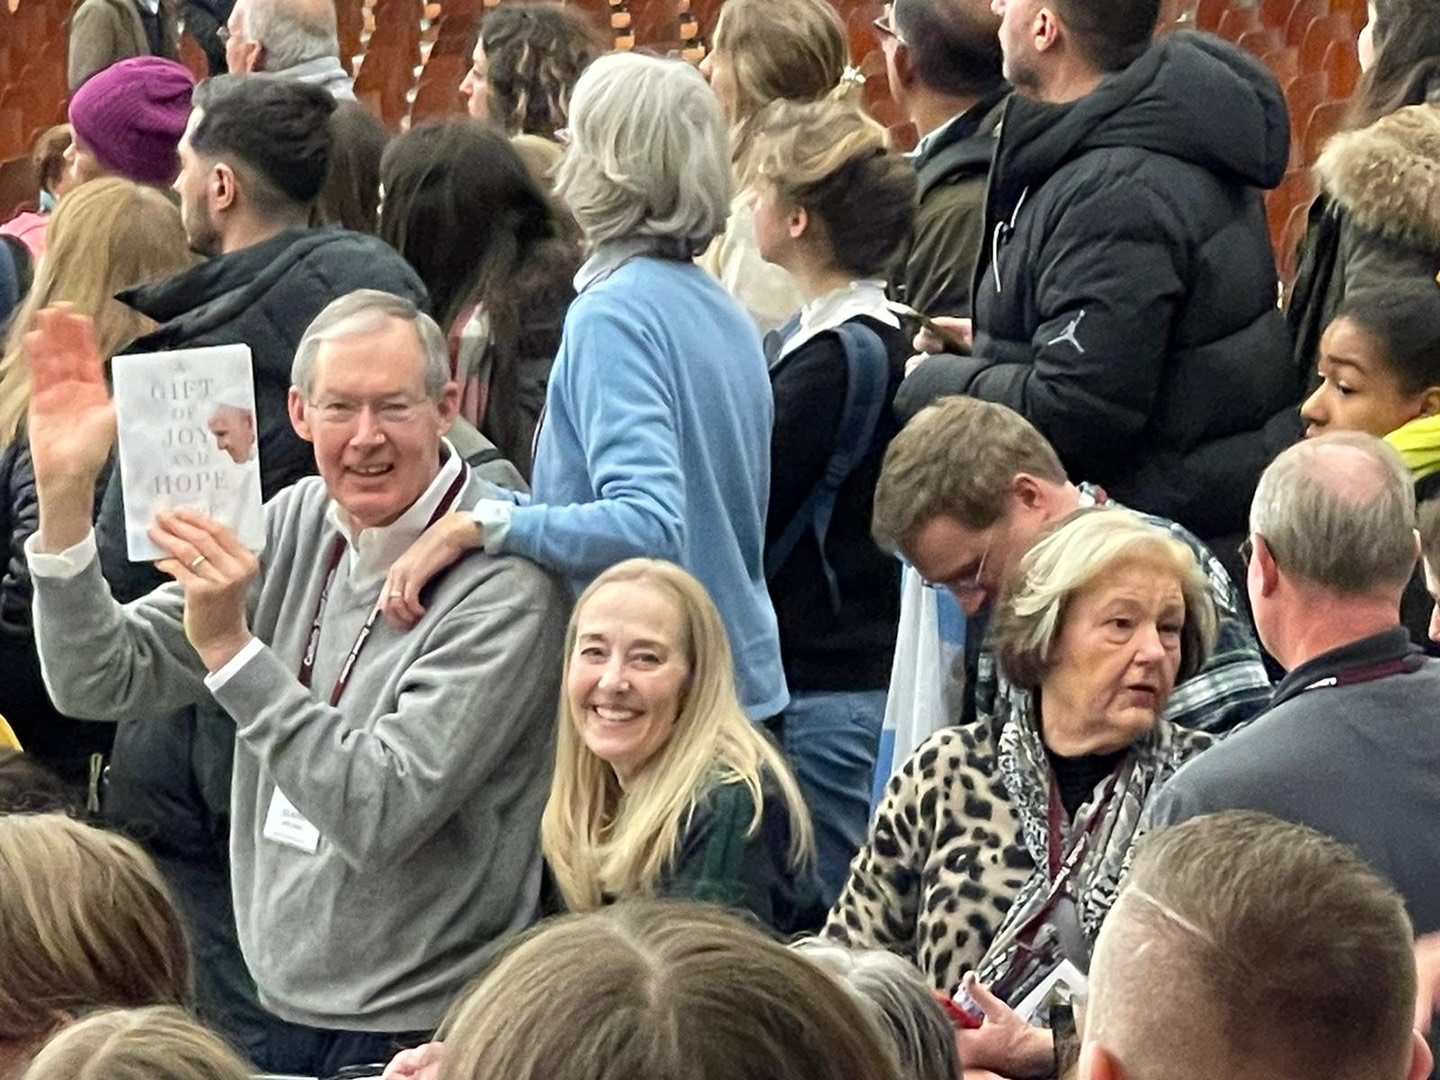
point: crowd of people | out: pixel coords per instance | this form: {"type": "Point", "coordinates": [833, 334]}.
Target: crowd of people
{"type": "Point", "coordinates": [636, 451]}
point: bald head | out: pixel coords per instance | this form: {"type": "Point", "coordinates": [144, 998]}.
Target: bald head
{"type": "Point", "coordinates": [1242, 945]}
{"type": "Point", "coordinates": [1338, 512]}
{"type": "Point", "coordinates": [288, 32]}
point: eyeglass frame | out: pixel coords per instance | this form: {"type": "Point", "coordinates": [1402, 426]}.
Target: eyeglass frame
{"type": "Point", "coordinates": [885, 25]}
{"type": "Point", "coordinates": [973, 585]}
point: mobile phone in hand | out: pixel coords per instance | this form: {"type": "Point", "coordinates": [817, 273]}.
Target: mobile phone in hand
{"type": "Point", "coordinates": [905, 311]}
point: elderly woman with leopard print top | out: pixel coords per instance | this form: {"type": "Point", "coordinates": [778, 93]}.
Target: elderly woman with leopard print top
{"type": "Point", "coordinates": [999, 846]}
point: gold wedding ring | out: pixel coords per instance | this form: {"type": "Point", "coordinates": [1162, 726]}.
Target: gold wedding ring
{"type": "Point", "coordinates": [195, 562]}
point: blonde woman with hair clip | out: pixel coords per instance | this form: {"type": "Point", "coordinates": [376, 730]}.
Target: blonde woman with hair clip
{"type": "Point", "coordinates": [85, 923]}
{"type": "Point", "coordinates": [832, 206]}
{"type": "Point", "coordinates": [156, 1043]}
{"type": "Point", "coordinates": [662, 786]}
{"type": "Point", "coordinates": [764, 51]}
{"type": "Point", "coordinates": [104, 236]}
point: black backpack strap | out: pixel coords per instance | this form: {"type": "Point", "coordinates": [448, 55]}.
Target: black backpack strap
{"type": "Point", "coordinates": [867, 383]}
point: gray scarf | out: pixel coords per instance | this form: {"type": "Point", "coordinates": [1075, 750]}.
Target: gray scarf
{"type": "Point", "coordinates": [1046, 925]}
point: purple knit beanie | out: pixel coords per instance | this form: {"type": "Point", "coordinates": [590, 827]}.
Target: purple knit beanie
{"type": "Point", "coordinates": [131, 116]}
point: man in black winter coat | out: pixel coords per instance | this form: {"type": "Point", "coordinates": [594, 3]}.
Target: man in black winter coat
{"type": "Point", "coordinates": [253, 161]}
{"type": "Point", "coordinates": [1125, 299]}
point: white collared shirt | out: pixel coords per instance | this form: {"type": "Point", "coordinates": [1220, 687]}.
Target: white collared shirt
{"type": "Point", "coordinates": [371, 552]}
{"type": "Point", "coordinates": [860, 298]}
{"type": "Point", "coordinates": [930, 136]}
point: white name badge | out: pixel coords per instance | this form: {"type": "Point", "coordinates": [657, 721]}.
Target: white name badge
{"type": "Point", "coordinates": [1065, 974]}
{"type": "Point", "coordinates": [286, 825]}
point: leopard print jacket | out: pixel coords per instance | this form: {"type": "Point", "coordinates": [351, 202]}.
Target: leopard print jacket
{"type": "Point", "coordinates": [944, 860]}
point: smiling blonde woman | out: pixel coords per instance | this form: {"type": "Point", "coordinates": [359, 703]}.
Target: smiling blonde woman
{"type": "Point", "coordinates": [662, 786]}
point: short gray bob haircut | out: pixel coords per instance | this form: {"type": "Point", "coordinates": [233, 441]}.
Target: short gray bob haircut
{"type": "Point", "coordinates": [649, 154]}
{"type": "Point", "coordinates": [362, 312]}
{"type": "Point", "coordinates": [292, 32]}
{"type": "Point", "coordinates": [1339, 511]}
{"type": "Point", "coordinates": [892, 992]}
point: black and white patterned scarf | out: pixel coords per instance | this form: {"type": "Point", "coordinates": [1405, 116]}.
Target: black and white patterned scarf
{"type": "Point", "coordinates": [1028, 944]}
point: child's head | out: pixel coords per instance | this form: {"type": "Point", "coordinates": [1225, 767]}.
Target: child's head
{"type": "Point", "coordinates": [828, 193]}
{"type": "Point", "coordinates": [1379, 361]}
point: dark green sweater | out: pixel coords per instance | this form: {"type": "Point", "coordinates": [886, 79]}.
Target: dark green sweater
{"type": "Point", "coordinates": [718, 863]}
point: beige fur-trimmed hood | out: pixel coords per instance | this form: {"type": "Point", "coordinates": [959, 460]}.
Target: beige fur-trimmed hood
{"type": "Point", "coordinates": [1387, 176]}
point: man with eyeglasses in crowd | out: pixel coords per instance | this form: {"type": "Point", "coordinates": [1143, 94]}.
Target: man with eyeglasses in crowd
{"type": "Point", "coordinates": [387, 782]}
{"type": "Point", "coordinates": [943, 61]}
{"type": "Point", "coordinates": [968, 487]}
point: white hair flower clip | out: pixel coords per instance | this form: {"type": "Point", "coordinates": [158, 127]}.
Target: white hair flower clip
{"type": "Point", "coordinates": [852, 76]}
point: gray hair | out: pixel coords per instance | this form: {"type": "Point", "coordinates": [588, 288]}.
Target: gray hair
{"type": "Point", "coordinates": [365, 311]}
{"type": "Point", "coordinates": [892, 992]}
{"type": "Point", "coordinates": [292, 32]}
{"type": "Point", "coordinates": [648, 155]}
{"type": "Point", "coordinates": [1339, 511]}
{"type": "Point", "coordinates": [1072, 555]}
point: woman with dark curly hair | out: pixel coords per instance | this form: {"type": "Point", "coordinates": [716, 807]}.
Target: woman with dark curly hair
{"type": "Point", "coordinates": [526, 61]}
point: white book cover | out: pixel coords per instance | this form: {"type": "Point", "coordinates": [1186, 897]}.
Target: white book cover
{"type": "Point", "coordinates": [187, 434]}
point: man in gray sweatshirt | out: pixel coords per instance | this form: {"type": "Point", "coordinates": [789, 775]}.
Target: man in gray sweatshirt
{"type": "Point", "coordinates": [388, 783]}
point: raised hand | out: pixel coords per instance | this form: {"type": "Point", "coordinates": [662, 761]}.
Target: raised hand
{"type": "Point", "coordinates": [71, 424]}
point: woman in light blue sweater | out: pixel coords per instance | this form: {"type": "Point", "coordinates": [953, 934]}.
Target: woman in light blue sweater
{"type": "Point", "coordinates": [656, 436]}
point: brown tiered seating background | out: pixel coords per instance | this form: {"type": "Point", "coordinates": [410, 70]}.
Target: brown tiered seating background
{"type": "Point", "coordinates": [409, 58]}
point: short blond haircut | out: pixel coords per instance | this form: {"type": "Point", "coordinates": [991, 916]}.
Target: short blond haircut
{"type": "Point", "coordinates": [1242, 945]}
{"type": "Point", "coordinates": [655, 989]}
{"type": "Point", "coordinates": [85, 923]}
{"type": "Point", "coordinates": [600, 842]}
{"type": "Point", "coordinates": [956, 458]}
{"type": "Point", "coordinates": [158, 1043]}
{"type": "Point", "coordinates": [1075, 553]}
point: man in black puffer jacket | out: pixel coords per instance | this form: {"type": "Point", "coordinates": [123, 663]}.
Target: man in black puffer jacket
{"type": "Point", "coordinates": [1125, 302]}
{"type": "Point", "coordinates": [253, 161]}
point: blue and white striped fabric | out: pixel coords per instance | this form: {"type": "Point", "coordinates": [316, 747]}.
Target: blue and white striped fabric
{"type": "Point", "coordinates": [923, 697]}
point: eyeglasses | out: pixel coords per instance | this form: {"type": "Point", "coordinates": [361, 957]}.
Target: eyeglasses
{"type": "Point", "coordinates": [394, 413]}
{"type": "Point", "coordinates": [1247, 549]}
{"type": "Point", "coordinates": [973, 585]}
{"type": "Point", "coordinates": [886, 26]}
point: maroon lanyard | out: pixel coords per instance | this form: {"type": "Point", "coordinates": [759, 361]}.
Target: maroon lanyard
{"type": "Point", "coordinates": [1059, 871]}
{"type": "Point", "coordinates": [312, 643]}
{"type": "Point", "coordinates": [1381, 670]}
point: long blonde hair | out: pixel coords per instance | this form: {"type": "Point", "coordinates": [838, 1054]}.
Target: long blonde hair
{"type": "Point", "coordinates": [105, 236]}
{"type": "Point", "coordinates": [601, 841]}
{"type": "Point", "coordinates": [85, 922]}
{"type": "Point", "coordinates": [780, 50]}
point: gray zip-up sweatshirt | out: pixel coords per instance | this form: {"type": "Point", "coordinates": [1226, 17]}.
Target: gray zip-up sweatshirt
{"type": "Point", "coordinates": [425, 784]}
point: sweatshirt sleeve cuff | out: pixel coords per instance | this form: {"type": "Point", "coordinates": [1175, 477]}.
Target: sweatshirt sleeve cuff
{"type": "Point", "coordinates": [61, 564]}
{"type": "Point", "coordinates": [493, 517]}
{"type": "Point", "coordinates": [217, 679]}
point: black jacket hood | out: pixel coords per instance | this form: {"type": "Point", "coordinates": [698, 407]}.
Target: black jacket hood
{"type": "Point", "coordinates": [1191, 96]}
